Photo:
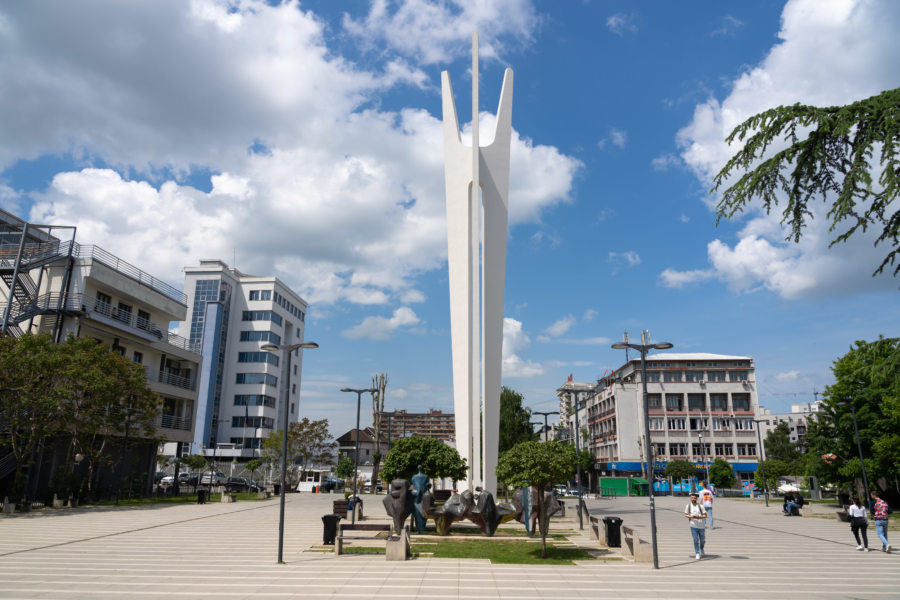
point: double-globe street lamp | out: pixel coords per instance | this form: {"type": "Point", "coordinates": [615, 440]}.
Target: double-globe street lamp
{"type": "Point", "coordinates": [359, 394]}
{"type": "Point", "coordinates": [762, 468]}
{"type": "Point", "coordinates": [642, 348]}
{"type": "Point", "coordinates": [284, 442]}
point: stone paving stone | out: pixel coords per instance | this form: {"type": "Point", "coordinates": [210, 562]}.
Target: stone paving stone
{"type": "Point", "coordinates": [228, 551]}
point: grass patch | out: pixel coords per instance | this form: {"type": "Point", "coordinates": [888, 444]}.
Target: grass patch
{"type": "Point", "coordinates": [517, 552]}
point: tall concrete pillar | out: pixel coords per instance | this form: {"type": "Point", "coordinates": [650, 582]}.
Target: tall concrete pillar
{"type": "Point", "coordinates": [477, 192]}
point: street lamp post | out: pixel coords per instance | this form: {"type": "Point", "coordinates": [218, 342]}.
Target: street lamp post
{"type": "Point", "coordinates": [284, 442]}
{"type": "Point", "coordinates": [862, 463]}
{"type": "Point", "coordinates": [545, 414]}
{"type": "Point", "coordinates": [762, 460]}
{"type": "Point", "coordinates": [642, 348]}
{"type": "Point", "coordinates": [703, 454]}
{"type": "Point", "coordinates": [359, 394]}
{"type": "Point", "coordinates": [577, 454]}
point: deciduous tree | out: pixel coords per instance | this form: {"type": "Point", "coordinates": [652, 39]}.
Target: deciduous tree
{"type": "Point", "coordinates": [540, 465]}
{"type": "Point", "coordinates": [309, 443]}
{"type": "Point", "coordinates": [679, 469]}
{"type": "Point", "coordinates": [721, 474]}
{"type": "Point", "coordinates": [438, 460]}
{"type": "Point", "coordinates": [779, 445]}
{"type": "Point", "coordinates": [515, 420]}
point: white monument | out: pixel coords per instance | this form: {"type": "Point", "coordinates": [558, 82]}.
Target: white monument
{"type": "Point", "coordinates": [477, 188]}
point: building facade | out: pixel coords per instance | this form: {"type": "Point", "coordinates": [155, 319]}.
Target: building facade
{"type": "Point", "coordinates": [61, 288]}
{"type": "Point", "coordinates": [797, 421]}
{"type": "Point", "coordinates": [242, 387]}
{"type": "Point", "coordinates": [434, 424]}
{"type": "Point", "coordinates": [701, 407]}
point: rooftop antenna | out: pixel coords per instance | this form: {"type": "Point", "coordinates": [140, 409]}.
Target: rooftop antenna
{"type": "Point", "coordinates": [626, 337]}
{"type": "Point", "coordinates": [645, 337]}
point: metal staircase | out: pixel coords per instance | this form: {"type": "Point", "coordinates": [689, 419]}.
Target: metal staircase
{"type": "Point", "coordinates": [17, 262]}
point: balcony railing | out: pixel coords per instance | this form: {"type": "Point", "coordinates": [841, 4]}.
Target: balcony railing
{"type": "Point", "coordinates": [173, 422]}
{"type": "Point", "coordinates": [179, 381]}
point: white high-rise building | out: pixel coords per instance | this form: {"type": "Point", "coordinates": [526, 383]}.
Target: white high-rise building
{"type": "Point", "coordinates": [242, 387]}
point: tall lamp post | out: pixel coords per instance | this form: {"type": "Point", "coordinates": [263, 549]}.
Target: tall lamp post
{"type": "Point", "coordinates": [284, 442]}
{"type": "Point", "coordinates": [762, 468]}
{"type": "Point", "coordinates": [642, 348]}
{"type": "Point", "coordinates": [862, 463]}
{"type": "Point", "coordinates": [359, 394]}
{"type": "Point", "coordinates": [545, 414]}
{"type": "Point", "coordinates": [703, 454]}
{"type": "Point", "coordinates": [577, 451]}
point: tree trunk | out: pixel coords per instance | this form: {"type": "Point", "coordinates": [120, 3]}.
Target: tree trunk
{"type": "Point", "coordinates": [542, 525]}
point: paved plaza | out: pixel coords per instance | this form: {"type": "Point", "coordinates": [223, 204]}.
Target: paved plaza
{"type": "Point", "coordinates": [229, 551]}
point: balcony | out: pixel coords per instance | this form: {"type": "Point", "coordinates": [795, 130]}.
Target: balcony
{"type": "Point", "coordinates": [169, 378]}
{"type": "Point", "coordinates": [173, 422]}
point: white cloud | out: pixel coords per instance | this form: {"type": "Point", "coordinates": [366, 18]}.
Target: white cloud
{"type": "Point", "coordinates": [561, 326]}
{"type": "Point", "coordinates": [800, 68]}
{"type": "Point", "coordinates": [677, 279]}
{"type": "Point", "coordinates": [728, 27]}
{"type": "Point", "coordinates": [787, 376]}
{"type": "Point", "coordinates": [616, 137]}
{"type": "Point", "coordinates": [665, 162]}
{"type": "Point", "coordinates": [629, 258]}
{"type": "Point", "coordinates": [589, 315]}
{"type": "Point", "coordinates": [434, 32]}
{"type": "Point", "coordinates": [516, 341]}
{"type": "Point", "coordinates": [343, 202]}
{"type": "Point", "coordinates": [621, 23]}
{"type": "Point", "coordinates": [381, 328]}
{"type": "Point", "coordinates": [685, 218]}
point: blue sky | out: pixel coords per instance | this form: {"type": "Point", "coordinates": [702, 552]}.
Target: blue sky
{"type": "Point", "coordinates": [303, 139]}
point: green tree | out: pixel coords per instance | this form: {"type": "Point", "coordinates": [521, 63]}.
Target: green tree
{"type": "Point", "coordinates": [78, 390]}
{"type": "Point", "coordinates": [540, 465]}
{"type": "Point", "coordinates": [253, 465]}
{"type": "Point", "coordinates": [834, 160]}
{"type": "Point", "coordinates": [679, 469]}
{"type": "Point", "coordinates": [309, 443]}
{"type": "Point", "coordinates": [868, 378]}
{"type": "Point", "coordinates": [438, 460]}
{"type": "Point", "coordinates": [779, 445]}
{"type": "Point", "coordinates": [775, 469]}
{"type": "Point", "coordinates": [585, 460]}
{"type": "Point", "coordinates": [195, 462]}
{"type": "Point", "coordinates": [345, 467]}
{"type": "Point", "coordinates": [721, 474]}
{"type": "Point", "coordinates": [515, 420]}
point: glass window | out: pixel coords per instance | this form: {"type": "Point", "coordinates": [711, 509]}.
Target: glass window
{"type": "Point", "coordinates": [697, 401]}
{"type": "Point", "coordinates": [724, 449]}
{"type": "Point", "coordinates": [656, 423]}
{"type": "Point", "coordinates": [741, 402]}
{"type": "Point", "coordinates": [258, 357]}
{"type": "Point", "coordinates": [254, 400]}
{"type": "Point", "coordinates": [693, 376]}
{"type": "Point", "coordinates": [264, 378]}
{"type": "Point", "coordinates": [654, 400]}
{"type": "Point", "coordinates": [675, 402]}
{"type": "Point", "coordinates": [653, 376]}
{"type": "Point", "coordinates": [715, 376]}
{"type": "Point", "coordinates": [718, 401]}
{"type": "Point", "coordinates": [737, 375]}
{"type": "Point", "coordinates": [260, 336]}
{"type": "Point", "coordinates": [676, 424]}
{"type": "Point", "coordinates": [261, 315]}
{"type": "Point", "coordinates": [671, 376]}
{"type": "Point", "coordinates": [137, 357]}
{"type": "Point", "coordinates": [678, 449]}
{"type": "Point", "coordinates": [659, 450]}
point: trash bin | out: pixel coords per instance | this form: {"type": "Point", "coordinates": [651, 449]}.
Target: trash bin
{"type": "Point", "coordinates": [201, 496]}
{"type": "Point", "coordinates": [329, 532]}
{"type": "Point", "coordinates": [843, 498]}
{"type": "Point", "coordinates": [613, 533]}
{"type": "Point", "coordinates": [277, 488]}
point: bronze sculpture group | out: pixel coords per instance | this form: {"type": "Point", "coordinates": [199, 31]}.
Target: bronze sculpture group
{"type": "Point", "coordinates": [414, 498]}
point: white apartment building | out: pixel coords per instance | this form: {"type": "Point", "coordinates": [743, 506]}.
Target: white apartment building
{"type": "Point", "coordinates": [797, 421]}
{"type": "Point", "coordinates": [61, 288]}
{"type": "Point", "coordinates": [701, 406]}
{"type": "Point", "coordinates": [242, 387]}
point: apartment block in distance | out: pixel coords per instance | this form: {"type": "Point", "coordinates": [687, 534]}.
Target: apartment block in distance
{"type": "Point", "coordinates": [61, 287]}
{"type": "Point", "coordinates": [434, 424]}
{"type": "Point", "coordinates": [702, 407]}
{"type": "Point", "coordinates": [242, 387]}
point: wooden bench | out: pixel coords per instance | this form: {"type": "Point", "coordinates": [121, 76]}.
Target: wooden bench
{"type": "Point", "coordinates": [351, 527]}
{"type": "Point", "coordinates": [640, 550]}
{"type": "Point", "coordinates": [339, 507]}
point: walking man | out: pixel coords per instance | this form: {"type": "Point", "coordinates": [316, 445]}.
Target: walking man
{"type": "Point", "coordinates": [880, 512]}
{"type": "Point", "coordinates": [695, 512]}
{"type": "Point", "coordinates": [706, 499]}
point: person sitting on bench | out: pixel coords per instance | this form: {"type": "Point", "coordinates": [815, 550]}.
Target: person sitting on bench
{"type": "Point", "coordinates": [789, 504]}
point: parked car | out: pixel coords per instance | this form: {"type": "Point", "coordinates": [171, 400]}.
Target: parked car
{"type": "Point", "coordinates": [241, 484]}
{"type": "Point", "coordinates": [188, 479]}
{"type": "Point", "coordinates": [167, 480]}
{"type": "Point", "coordinates": [159, 476]}
{"type": "Point", "coordinates": [332, 483]}
{"type": "Point", "coordinates": [207, 478]}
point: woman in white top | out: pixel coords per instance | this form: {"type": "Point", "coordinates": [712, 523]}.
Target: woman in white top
{"type": "Point", "coordinates": [859, 524]}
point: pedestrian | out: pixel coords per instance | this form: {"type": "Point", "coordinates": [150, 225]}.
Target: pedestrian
{"type": "Point", "coordinates": [706, 499]}
{"type": "Point", "coordinates": [697, 515]}
{"type": "Point", "coordinates": [859, 523]}
{"type": "Point", "coordinates": [880, 511]}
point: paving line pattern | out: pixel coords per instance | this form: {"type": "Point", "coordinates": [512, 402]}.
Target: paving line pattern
{"type": "Point", "coordinates": [228, 551]}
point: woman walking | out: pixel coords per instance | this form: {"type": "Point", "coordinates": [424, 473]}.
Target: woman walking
{"type": "Point", "coordinates": [859, 523]}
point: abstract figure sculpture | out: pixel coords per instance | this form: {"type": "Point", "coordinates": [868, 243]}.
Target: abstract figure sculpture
{"type": "Point", "coordinates": [419, 487]}
{"type": "Point", "coordinates": [398, 503]}
{"type": "Point", "coordinates": [477, 189]}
